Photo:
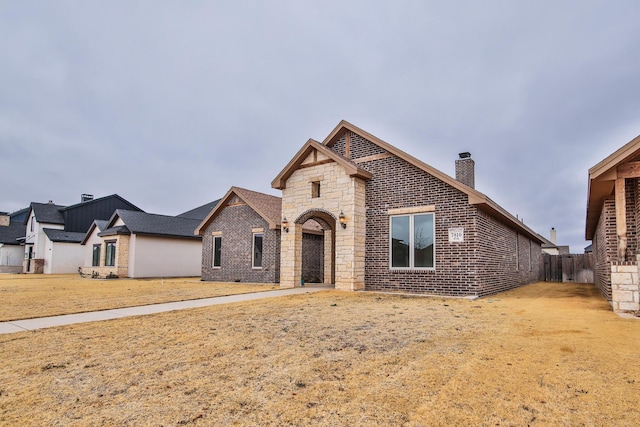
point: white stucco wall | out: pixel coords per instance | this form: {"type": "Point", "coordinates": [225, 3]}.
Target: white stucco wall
{"type": "Point", "coordinates": [38, 238]}
{"type": "Point", "coordinates": [11, 255]}
{"type": "Point", "coordinates": [87, 248]}
{"type": "Point", "coordinates": [63, 258]}
{"type": "Point", "coordinates": [164, 257]}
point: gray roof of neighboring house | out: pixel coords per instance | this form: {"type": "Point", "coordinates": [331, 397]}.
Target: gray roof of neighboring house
{"type": "Point", "coordinates": [48, 213]}
{"type": "Point", "coordinates": [10, 233]}
{"type": "Point", "coordinates": [200, 212]}
{"type": "Point", "coordinates": [63, 236]}
{"type": "Point", "coordinates": [152, 224]}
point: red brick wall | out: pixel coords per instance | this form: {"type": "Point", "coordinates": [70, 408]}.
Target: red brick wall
{"type": "Point", "coordinates": [236, 223]}
{"type": "Point", "coordinates": [483, 264]}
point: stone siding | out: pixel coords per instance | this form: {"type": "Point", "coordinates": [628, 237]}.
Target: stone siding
{"type": "Point", "coordinates": [121, 267]}
{"type": "Point", "coordinates": [625, 287]}
{"type": "Point", "coordinates": [235, 223]}
{"type": "Point", "coordinates": [338, 193]}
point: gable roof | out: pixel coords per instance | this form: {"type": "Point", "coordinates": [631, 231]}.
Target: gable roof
{"type": "Point", "coordinates": [602, 178]}
{"type": "Point", "coordinates": [48, 213]}
{"type": "Point", "coordinates": [61, 236]}
{"type": "Point", "coordinates": [267, 206]}
{"type": "Point", "coordinates": [200, 212]}
{"type": "Point", "coordinates": [136, 222]}
{"type": "Point", "coordinates": [100, 224]}
{"type": "Point", "coordinates": [352, 169]}
{"type": "Point", "coordinates": [476, 198]}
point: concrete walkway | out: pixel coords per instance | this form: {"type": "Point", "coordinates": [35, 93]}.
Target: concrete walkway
{"type": "Point", "coordinates": [117, 313]}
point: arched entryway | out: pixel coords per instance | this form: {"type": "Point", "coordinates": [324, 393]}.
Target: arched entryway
{"type": "Point", "coordinates": [309, 250]}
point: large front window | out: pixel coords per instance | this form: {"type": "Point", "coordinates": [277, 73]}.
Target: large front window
{"type": "Point", "coordinates": [110, 254]}
{"type": "Point", "coordinates": [257, 250]}
{"type": "Point", "coordinates": [412, 241]}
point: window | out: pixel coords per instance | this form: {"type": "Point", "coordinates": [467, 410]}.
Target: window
{"type": "Point", "coordinates": [217, 250]}
{"type": "Point", "coordinates": [412, 241]}
{"type": "Point", "coordinates": [257, 250]}
{"type": "Point", "coordinates": [96, 255]}
{"type": "Point", "coordinates": [315, 189]}
{"type": "Point", "coordinates": [33, 218]}
{"type": "Point", "coordinates": [110, 254]}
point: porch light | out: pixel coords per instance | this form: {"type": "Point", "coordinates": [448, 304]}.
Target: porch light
{"type": "Point", "coordinates": [343, 220]}
{"type": "Point", "coordinates": [285, 224]}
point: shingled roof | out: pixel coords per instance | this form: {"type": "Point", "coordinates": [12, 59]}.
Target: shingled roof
{"type": "Point", "coordinates": [62, 236]}
{"type": "Point", "coordinates": [10, 234]}
{"type": "Point", "coordinates": [200, 212]}
{"type": "Point", "coordinates": [151, 224]}
{"type": "Point", "coordinates": [267, 206]}
{"type": "Point", "coordinates": [48, 213]}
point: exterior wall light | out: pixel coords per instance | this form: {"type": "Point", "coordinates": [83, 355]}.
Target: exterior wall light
{"type": "Point", "coordinates": [285, 224]}
{"type": "Point", "coordinates": [343, 220]}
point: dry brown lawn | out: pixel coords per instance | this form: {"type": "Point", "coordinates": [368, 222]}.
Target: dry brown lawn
{"type": "Point", "coordinates": [25, 296]}
{"type": "Point", "coordinates": [544, 354]}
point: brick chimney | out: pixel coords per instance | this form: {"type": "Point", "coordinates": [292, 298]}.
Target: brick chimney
{"type": "Point", "coordinates": [465, 170]}
{"type": "Point", "coordinates": [5, 219]}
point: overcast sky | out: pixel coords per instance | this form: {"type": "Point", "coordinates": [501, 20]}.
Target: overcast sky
{"type": "Point", "coordinates": [169, 104]}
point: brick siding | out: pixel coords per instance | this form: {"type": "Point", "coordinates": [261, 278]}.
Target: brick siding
{"type": "Point", "coordinates": [605, 247]}
{"type": "Point", "coordinates": [483, 264]}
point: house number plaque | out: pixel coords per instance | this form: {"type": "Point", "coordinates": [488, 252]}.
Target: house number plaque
{"type": "Point", "coordinates": [456, 235]}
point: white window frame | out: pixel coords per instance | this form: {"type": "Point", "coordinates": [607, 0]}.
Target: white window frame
{"type": "Point", "coordinates": [411, 266]}
{"type": "Point", "coordinates": [253, 251]}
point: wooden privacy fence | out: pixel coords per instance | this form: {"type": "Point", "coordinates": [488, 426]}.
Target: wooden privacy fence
{"type": "Point", "coordinates": [574, 268]}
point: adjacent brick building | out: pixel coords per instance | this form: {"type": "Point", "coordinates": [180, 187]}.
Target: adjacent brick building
{"type": "Point", "coordinates": [394, 223]}
{"type": "Point", "coordinates": [241, 240]}
{"type": "Point", "coordinates": [613, 221]}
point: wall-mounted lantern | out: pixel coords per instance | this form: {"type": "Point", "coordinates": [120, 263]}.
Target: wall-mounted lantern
{"type": "Point", "coordinates": [285, 224]}
{"type": "Point", "coordinates": [343, 220]}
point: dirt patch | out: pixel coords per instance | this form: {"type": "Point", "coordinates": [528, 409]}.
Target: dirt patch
{"type": "Point", "coordinates": [545, 354]}
{"type": "Point", "coordinates": [25, 296]}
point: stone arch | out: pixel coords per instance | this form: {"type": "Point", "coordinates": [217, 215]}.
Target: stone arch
{"type": "Point", "coordinates": [326, 219]}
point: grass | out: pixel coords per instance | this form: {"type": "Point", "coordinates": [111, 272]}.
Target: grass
{"type": "Point", "coordinates": [544, 354]}
{"type": "Point", "coordinates": [26, 296]}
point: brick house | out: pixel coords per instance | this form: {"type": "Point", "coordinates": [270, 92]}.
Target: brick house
{"type": "Point", "coordinates": [241, 240]}
{"type": "Point", "coordinates": [612, 224]}
{"type": "Point", "coordinates": [393, 223]}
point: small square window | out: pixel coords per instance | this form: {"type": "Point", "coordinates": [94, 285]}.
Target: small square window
{"type": "Point", "coordinates": [315, 189]}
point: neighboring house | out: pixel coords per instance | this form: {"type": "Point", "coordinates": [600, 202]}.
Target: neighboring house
{"type": "Point", "coordinates": [550, 246]}
{"type": "Point", "coordinates": [53, 232]}
{"type": "Point", "coordinates": [394, 223]}
{"type": "Point", "coordinates": [613, 225]}
{"type": "Point", "coordinates": [138, 244]}
{"type": "Point", "coordinates": [241, 240]}
{"type": "Point", "coordinates": [11, 230]}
